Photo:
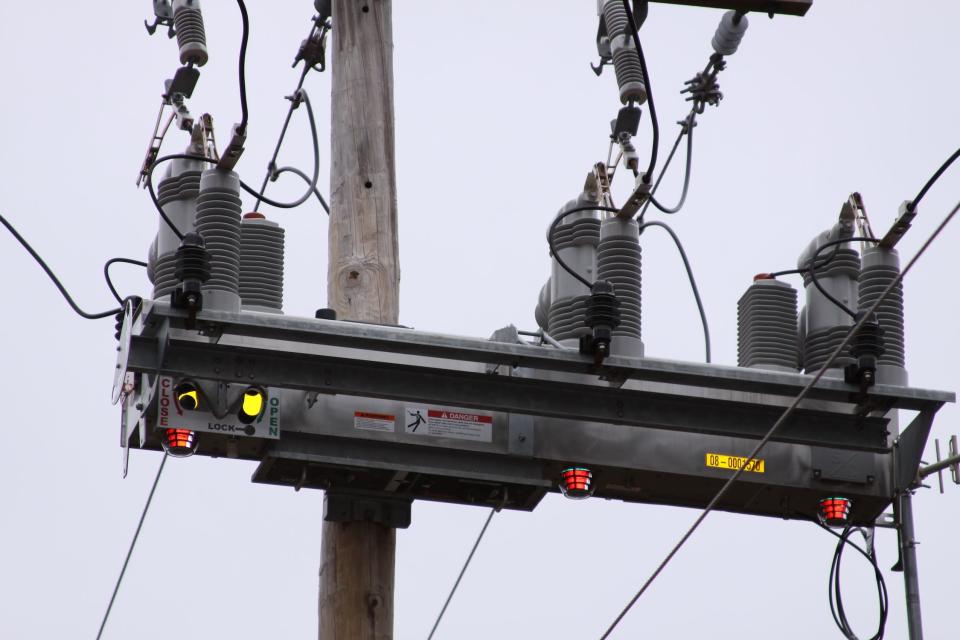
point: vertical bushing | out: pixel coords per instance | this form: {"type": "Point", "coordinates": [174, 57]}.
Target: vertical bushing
{"type": "Point", "coordinates": [619, 263]}
{"type": "Point", "coordinates": [177, 195]}
{"type": "Point", "coordinates": [218, 221]}
{"type": "Point", "coordinates": [881, 267]}
{"type": "Point", "coordinates": [826, 324]}
{"type": "Point", "coordinates": [261, 264]}
{"type": "Point", "coordinates": [575, 241]}
{"type": "Point", "coordinates": [767, 326]}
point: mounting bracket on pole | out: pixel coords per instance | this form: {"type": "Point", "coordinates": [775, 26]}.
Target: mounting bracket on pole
{"type": "Point", "coordinates": [356, 507]}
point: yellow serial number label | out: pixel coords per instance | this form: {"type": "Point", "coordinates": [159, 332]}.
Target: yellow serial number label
{"type": "Point", "coordinates": [734, 463]}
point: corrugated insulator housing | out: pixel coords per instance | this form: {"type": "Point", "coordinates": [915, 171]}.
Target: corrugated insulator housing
{"type": "Point", "coordinates": [191, 35]}
{"type": "Point", "coordinates": [880, 268]}
{"type": "Point", "coordinates": [626, 59]}
{"type": "Point", "coordinates": [767, 326]}
{"type": "Point", "coordinates": [825, 324]}
{"type": "Point", "coordinates": [218, 222]}
{"type": "Point", "coordinates": [576, 242]}
{"type": "Point", "coordinates": [261, 264]}
{"type": "Point", "coordinates": [619, 263]}
{"type": "Point", "coordinates": [176, 195]}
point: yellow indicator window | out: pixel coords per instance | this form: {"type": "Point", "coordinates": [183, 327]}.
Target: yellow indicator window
{"type": "Point", "coordinates": [188, 398]}
{"type": "Point", "coordinates": [252, 403]}
{"type": "Point", "coordinates": [734, 463]}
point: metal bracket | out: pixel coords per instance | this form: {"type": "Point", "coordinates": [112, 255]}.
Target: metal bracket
{"type": "Point", "coordinates": [355, 507]}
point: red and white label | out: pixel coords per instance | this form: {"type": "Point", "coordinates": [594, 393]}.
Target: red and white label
{"type": "Point", "coordinates": [445, 423]}
{"type": "Point", "coordinates": [368, 421]}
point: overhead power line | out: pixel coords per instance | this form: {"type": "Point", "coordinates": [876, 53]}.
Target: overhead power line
{"type": "Point", "coordinates": [133, 543]}
{"type": "Point", "coordinates": [462, 571]}
{"type": "Point", "coordinates": [781, 420]}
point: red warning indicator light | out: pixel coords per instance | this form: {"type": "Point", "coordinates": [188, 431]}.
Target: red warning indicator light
{"type": "Point", "coordinates": [835, 511]}
{"type": "Point", "coordinates": [576, 483]}
{"type": "Point", "coordinates": [179, 443]}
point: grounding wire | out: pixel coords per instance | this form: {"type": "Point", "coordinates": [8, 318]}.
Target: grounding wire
{"type": "Point", "coordinates": [106, 273]}
{"type": "Point", "coordinates": [663, 170]}
{"type": "Point", "coordinates": [788, 411]}
{"type": "Point", "coordinates": [462, 571]}
{"type": "Point", "coordinates": [654, 123]}
{"type": "Point", "coordinates": [56, 281]}
{"type": "Point", "coordinates": [306, 178]}
{"type": "Point", "coordinates": [241, 68]}
{"type": "Point", "coordinates": [693, 282]}
{"type": "Point", "coordinates": [283, 132]}
{"type": "Point", "coordinates": [302, 93]}
{"type": "Point", "coordinates": [133, 543]}
{"type": "Point", "coordinates": [936, 176]}
{"type": "Point", "coordinates": [688, 126]}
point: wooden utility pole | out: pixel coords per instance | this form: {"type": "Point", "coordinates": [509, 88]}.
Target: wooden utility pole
{"type": "Point", "coordinates": [363, 277]}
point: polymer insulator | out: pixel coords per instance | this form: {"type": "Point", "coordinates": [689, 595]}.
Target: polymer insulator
{"type": "Point", "coordinates": [619, 263]}
{"type": "Point", "coordinates": [177, 194]}
{"type": "Point", "coordinates": [261, 264]}
{"type": "Point", "coordinates": [561, 307]}
{"type": "Point", "coordinates": [881, 267]}
{"type": "Point", "coordinates": [218, 221]}
{"type": "Point", "coordinates": [191, 36]}
{"type": "Point", "coordinates": [729, 33]}
{"type": "Point", "coordinates": [626, 60]}
{"type": "Point", "coordinates": [767, 326]}
{"type": "Point", "coordinates": [826, 324]}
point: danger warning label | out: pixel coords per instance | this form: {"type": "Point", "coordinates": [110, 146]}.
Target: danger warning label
{"type": "Point", "coordinates": [445, 423]}
{"type": "Point", "coordinates": [368, 421]}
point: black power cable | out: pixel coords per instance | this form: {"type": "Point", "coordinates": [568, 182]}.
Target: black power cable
{"type": "Point", "coordinates": [813, 265]}
{"type": "Point", "coordinates": [106, 273]}
{"type": "Point", "coordinates": [654, 123]}
{"type": "Point", "coordinates": [663, 171]}
{"type": "Point", "coordinates": [553, 226]}
{"type": "Point", "coordinates": [787, 412]}
{"type": "Point", "coordinates": [936, 176]}
{"type": "Point", "coordinates": [693, 282]}
{"type": "Point", "coordinates": [241, 68]}
{"type": "Point", "coordinates": [56, 281]}
{"type": "Point", "coordinates": [153, 194]}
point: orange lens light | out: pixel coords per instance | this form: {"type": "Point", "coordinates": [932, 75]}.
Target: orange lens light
{"type": "Point", "coordinates": [179, 443]}
{"type": "Point", "coordinates": [835, 511]}
{"type": "Point", "coordinates": [576, 483]}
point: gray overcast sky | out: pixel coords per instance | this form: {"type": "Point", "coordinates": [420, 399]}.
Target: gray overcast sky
{"type": "Point", "coordinates": [498, 119]}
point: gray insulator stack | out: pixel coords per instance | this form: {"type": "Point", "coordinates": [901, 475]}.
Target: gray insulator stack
{"type": "Point", "coordinates": [218, 222]}
{"type": "Point", "coordinates": [880, 268]}
{"type": "Point", "coordinates": [176, 194]}
{"type": "Point", "coordinates": [767, 326]}
{"type": "Point", "coordinates": [191, 36]}
{"type": "Point", "coordinates": [575, 240]}
{"type": "Point", "coordinates": [729, 33]}
{"type": "Point", "coordinates": [626, 60]}
{"type": "Point", "coordinates": [619, 263]}
{"type": "Point", "coordinates": [261, 264]}
{"type": "Point", "coordinates": [826, 325]}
